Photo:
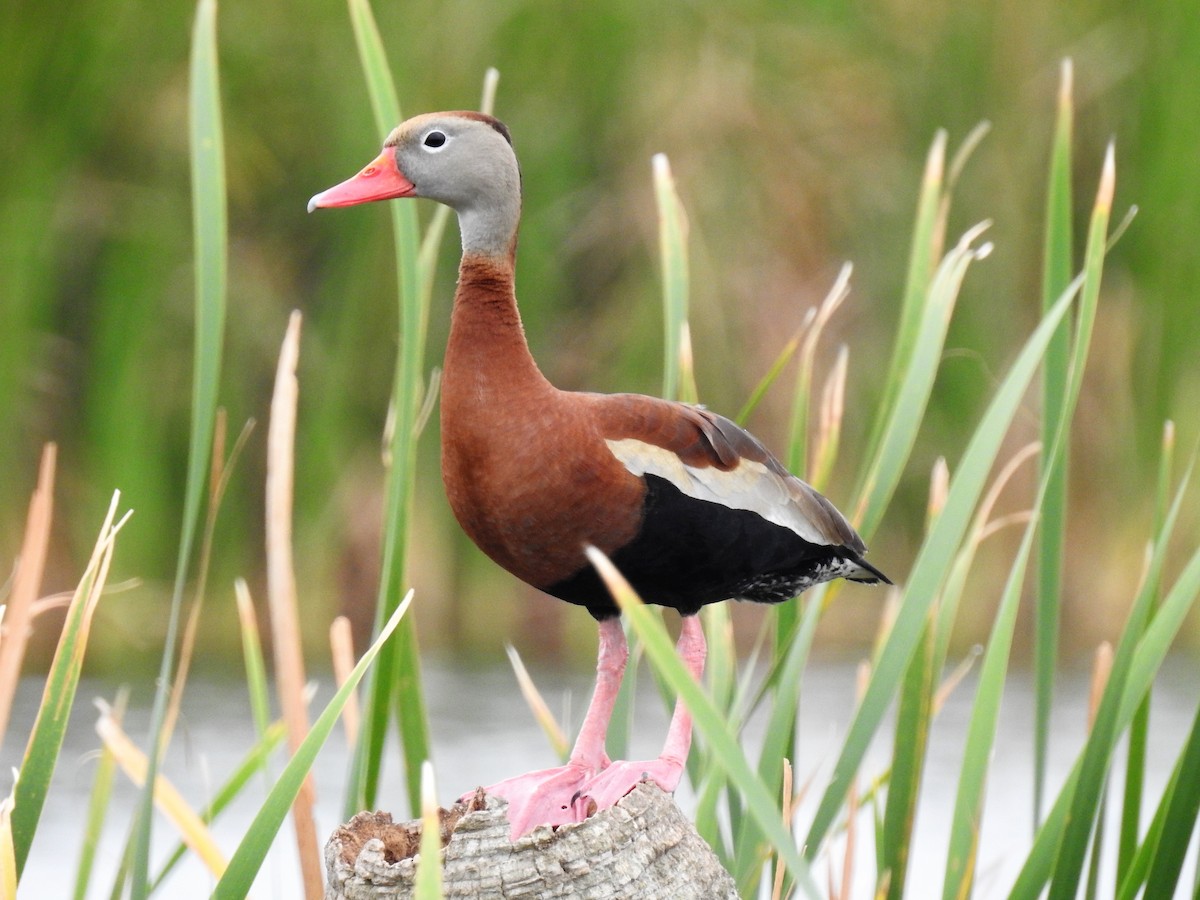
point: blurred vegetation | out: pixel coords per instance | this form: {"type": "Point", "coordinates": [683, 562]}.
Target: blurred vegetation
{"type": "Point", "coordinates": [797, 134]}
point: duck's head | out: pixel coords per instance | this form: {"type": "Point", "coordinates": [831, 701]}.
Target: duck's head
{"type": "Point", "coordinates": [462, 159]}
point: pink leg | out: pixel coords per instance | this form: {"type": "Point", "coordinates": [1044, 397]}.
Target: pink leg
{"type": "Point", "coordinates": [611, 657]}
{"type": "Point", "coordinates": [620, 778]}
{"type": "Point", "coordinates": [551, 796]}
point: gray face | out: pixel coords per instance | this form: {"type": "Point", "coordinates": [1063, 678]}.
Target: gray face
{"type": "Point", "coordinates": [468, 165]}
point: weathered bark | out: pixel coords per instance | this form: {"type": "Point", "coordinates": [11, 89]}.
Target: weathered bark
{"type": "Point", "coordinates": [643, 847]}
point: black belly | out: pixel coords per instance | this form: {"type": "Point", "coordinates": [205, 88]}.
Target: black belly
{"type": "Point", "coordinates": [689, 553]}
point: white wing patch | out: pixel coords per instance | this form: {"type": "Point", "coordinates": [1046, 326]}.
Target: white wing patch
{"type": "Point", "coordinates": [750, 485]}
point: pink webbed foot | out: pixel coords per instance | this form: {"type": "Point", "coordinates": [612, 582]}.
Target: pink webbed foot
{"type": "Point", "coordinates": [590, 782]}
{"type": "Point", "coordinates": [606, 788]}
{"type": "Point", "coordinates": [548, 797]}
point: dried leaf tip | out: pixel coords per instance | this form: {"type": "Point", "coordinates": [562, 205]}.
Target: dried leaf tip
{"type": "Point", "coordinates": [1108, 180]}
{"type": "Point", "coordinates": [939, 488]}
{"type": "Point", "coordinates": [603, 566]}
{"type": "Point", "coordinates": [1066, 83]}
{"type": "Point", "coordinates": [1101, 668]}
{"type": "Point", "coordinates": [429, 862]}
{"type": "Point", "coordinates": [662, 167]}
{"type": "Point", "coordinates": [428, 791]}
{"type": "Point", "coordinates": [491, 80]}
{"type": "Point", "coordinates": [935, 163]}
{"type": "Point", "coordinates": [621, 590]}
{"type": "Point", "coordinates": [687, 360]}
{"type": "Point", "coordinates": [973, 234]}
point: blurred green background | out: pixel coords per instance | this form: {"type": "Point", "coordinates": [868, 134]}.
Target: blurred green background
{"type": "Point", "coordinates": [797, 132]}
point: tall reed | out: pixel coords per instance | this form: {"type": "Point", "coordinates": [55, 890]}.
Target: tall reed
{"type": "Point", "coordinates": [210, 231]}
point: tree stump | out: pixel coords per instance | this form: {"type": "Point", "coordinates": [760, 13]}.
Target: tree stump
{"type": "Point", "coordinates": [643, 847]}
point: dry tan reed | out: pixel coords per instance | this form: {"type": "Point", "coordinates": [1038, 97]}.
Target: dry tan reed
{"type": "Point", "coordinates": [281, 595]}
{"type": "Point", "coordinates": [18, 617]}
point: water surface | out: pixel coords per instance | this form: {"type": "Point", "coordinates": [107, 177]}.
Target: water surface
{"type": "Point", "coordinates": [482, 732]}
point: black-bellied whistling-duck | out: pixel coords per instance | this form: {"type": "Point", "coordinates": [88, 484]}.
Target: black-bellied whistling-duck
{"type": "Point", "coordinates": [691, 508]}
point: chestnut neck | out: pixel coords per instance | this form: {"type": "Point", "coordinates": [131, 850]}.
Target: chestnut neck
{"type": "Point", "coordinates": [488, 363]}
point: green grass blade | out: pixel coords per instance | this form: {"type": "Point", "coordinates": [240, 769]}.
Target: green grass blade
{"type": "Point", "coordinates": [884, 469]}
{"type": "Point", "coordinates": [1056, 275]}
{"type": "Point", "coordinates": [1134, 681]}
{"type": "Point", "coordinates": [1095, 857]}
{"type": "Point", "coordinates": [932, 563]}
{"type": "Point", "coordinates": [1137, 677]}
{"type": "Point", "coordinates": [1139, 865]}
{"type": "Point", "coordinates": [428, 882]}
{"type": "Point", "coordinates": [431, 244]}
{"type": "Point", "coordinates": [952, 591]}
{"type": "Point", "coordinates": [1074, 848]}
{"type": "Point", "coordinates": [745, 701]}
{"type": "Point", "coordinates": [708, 820]}
{"type": "Point", "coordinates": [121, 876]}
{"type": "Point", "coordinates": [672, 247]}
{"type": "Point", "coordinates": [725, 750]}
{"type": "Point", "coordinates": [381, 88]}
{"type": "Point", "coordinates": [968, 809]}
{"type": "Point", "coordinates": [1169, 818]}
{"type": "Point", "coordinates": [1131, 800]}
{"type": "Point", "coordinates": [720, 672]}
{"type": "Point", "coordinates": [1093, 270]}
{"type": "Point", "coordinates": [1095, 760]}
{"type": "Point", "coordinates": [102, 785]}
{"type": "Point", "coordinates": [211, 230]}
{"type": "Point", "coordinates": [254, 762]}
{"type": "Point", "coordinates": [249, 856]}
{"type": "Point", "coordinates": [1094, 780]}
{"type": "Point", "coordinates": [787, 614]}
{"type": "Point", "coordinates": [773, 372]}
{"type": "Point", "coordinates": [1156, 642]}
{"type": "Point", "coordinates": [397, 678]}
{"type": "Point", "coordinates": [981, 730]}
{"type": "Point", "coordinates": [1135, 766]}
{"type": "Point", "coordinates": [210, 236]}
{"type": "Point", "coordinates": [252, 655]}
{"type": "Point", "coordinates": [928, 234]}
{"type": "Point", "coordinates": [785, 682]}
{"type": "Point", "coordinates": [913, 714]}
{"type": "Point", "coordinates": [58, 696]}
{"type": "Point", "coordinates": [720, 669]}
{"type": "Point", "coordinates": [908, 355]}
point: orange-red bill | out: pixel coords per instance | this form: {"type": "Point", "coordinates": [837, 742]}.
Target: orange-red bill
{"type": "Point", "coordinates": [381, 180]}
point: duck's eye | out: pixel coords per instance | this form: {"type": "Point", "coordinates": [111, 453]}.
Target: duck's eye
{"type": "Point", "coordinates": [434, 140]}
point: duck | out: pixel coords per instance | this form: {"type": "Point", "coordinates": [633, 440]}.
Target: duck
{"type": "Point", "coordinates": [690, 507]}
